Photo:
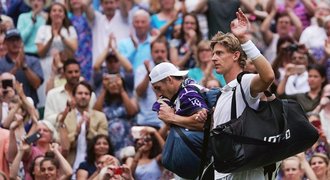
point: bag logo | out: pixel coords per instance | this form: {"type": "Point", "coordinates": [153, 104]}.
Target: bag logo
{"type": "Point", "coordinates": [278, 138]}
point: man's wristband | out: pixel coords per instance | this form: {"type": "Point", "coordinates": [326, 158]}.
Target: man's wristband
{"type": "Point", "coordinates": [24, 67]}
{"type": "Point", "coordinates": [251, 51]}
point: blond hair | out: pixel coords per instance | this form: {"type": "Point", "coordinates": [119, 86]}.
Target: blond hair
{"type": "Point", "coordinates": [231, 43]}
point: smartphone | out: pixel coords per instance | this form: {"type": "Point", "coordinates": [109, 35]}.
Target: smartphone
{"type": "Point", "coordinates": [118, 170]}
{"type": "Point", "coordinates": [136, 131]}
{"type": "Point", "coordinates": [300, 69]}
{"type": "Point", "coordinates": [7, 83]}
{"type": "Point", "coordinates": [33, 138]}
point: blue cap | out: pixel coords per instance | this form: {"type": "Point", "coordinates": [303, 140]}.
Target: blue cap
{"type": "Point", "coordinates": [12, 33]}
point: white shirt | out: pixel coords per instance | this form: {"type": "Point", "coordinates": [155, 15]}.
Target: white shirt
{"type": "Point", "coordinates": [56, 102]}
{"type": "Point", "coordinates": [297, 84]}
{"type": "Point", "coordinates": [81, 144]}
{"type": "Point", "coordinates": [222, 112]}
{"type": "Point", "coordinates": [102, 28]}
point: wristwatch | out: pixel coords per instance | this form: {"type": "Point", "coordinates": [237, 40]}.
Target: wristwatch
{"type": "Point", "coordinates": [24, 67]}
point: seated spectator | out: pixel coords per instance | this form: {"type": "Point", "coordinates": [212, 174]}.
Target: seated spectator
{"type": "Point", "coordinates": [79, 125]}
{"type": "Point", "coordinates": [146, 163]}
{"type": "Point", "coordinates": [57, 35]}
{"type": "Point", "coordinates": [99, 146]}
{"type": "Point", "coordinates": [119, 106]}
{"type": "Point", "coordinates": [295, 79]}
{"type": "Point", "coordinates": [81, 15]}
{"type": "Point", "coordinates": [58, 98]}
{"type": "Point", "coordinates": [29, 23]}
{"type": "Point", "coordinates": [204, 69]}
{"type": "Point", "coordinates": [184, 49]}
{"type": "Point", "coordinates": [316, 81]}
{"type": "Point", "coordinates": [320, 165]}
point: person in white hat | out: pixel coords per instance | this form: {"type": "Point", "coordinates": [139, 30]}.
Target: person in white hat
{"type": "Point", "coordinates": [187, 108]}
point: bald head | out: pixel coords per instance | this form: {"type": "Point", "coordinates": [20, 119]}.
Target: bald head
{"type": "Point", "coordinates": [142, 14]}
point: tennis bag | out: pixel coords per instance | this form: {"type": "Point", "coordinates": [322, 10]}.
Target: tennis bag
{"type": "Point", "coordinates": [276, 130]}
{"type": "Point", "coordinates": [182, 152]}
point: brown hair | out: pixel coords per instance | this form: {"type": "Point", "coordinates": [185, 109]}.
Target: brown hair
{"type": "Point", "coordinates": [231, 43]}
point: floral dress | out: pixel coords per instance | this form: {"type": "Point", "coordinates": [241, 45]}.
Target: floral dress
{"type": "Point", "coordinates": [119, 125]}
{"type": "Point", "coordinates": [84, 52]}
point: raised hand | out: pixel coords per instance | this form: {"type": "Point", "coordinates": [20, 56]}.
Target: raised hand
{"type": "Point", "coordinates": [240, 26]}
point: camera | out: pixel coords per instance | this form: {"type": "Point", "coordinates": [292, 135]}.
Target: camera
{"type": "Point", "coordinates": [292, 47]}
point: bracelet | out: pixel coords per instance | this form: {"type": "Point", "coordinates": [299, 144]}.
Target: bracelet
{"type": "Point", "coordinates": [251, 51]}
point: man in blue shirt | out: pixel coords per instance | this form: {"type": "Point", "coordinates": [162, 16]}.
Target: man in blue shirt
{"type": "Point", "coordinates": [27, 69]}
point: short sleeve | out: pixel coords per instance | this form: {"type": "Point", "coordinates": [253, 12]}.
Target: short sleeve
{"type": "Point", "coordinates": [41, 35]}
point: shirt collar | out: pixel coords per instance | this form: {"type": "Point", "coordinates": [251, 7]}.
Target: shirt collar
{"type": "Point", "coordinates": [229, 86]}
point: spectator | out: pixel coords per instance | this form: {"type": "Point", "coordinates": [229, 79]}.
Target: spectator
{"type": "Point", "coordinates": [143, 89]}
{"type": "Point", "coordinates": [295, 167]}
{"type": "Point", "coordinates": [323, 110]}
{"type": "Point", "coordinates": [119, 106]}
{"type": "Point", "coordinates": [48, 135]}
{"type": "Point", "coordinates": [146, 163]}
{"type": "Point", "coordinates": [316, 79]}
{"type": "Point", "coordinates": [57, 35]}
{"type": "Point", "coordinates": [29, 23]}
{"type": "Point", "coordinates": [219, 14]}
{"type": "Point", "coordinates": [4, 160]}
{"type": "Point", "coordinates": [315, 35]}
{"type": "Point", "coordinates": [295, 79]}
{"type": "Point", "coordinates": [167, 13]}
{"type": "Point", "coordinates": [81, 15]}
{"type": "Point", "coordinates": [58, 98]}
{"type": "Point", "coordinates": [285, 22]}
{"type": "Point", "coordinates": [115, 63]}
{"type": "Point", "coordinates": [26, 69]}
{"type": "Point", "coordinates": [79, 125]}
{"type": "Point", "coordinates": [111, 21]}
{"type": "Point", "coordinates": [54, 164]}
{"type": "Point", "coordinates": [99, 146]}
{"type": "Point", "coordinates": [137, 48]}
{"type": "Point", "coordinates": [304, 9]}
{"type": "Point", "coordinates": [204, 69]}
{"type": "Point", "coordinates": [15, 8]}
{"type": "Point", "coordinates": [320, 165]}
{"type": "Point", "coordinates": [183, 50]}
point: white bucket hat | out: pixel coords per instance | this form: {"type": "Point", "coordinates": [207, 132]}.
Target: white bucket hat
{"type": "Point", "coordinates": [164, 70]}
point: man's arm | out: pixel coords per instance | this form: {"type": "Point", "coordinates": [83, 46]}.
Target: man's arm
{"type": "Point", "coordinates": [193, 122]}
{"type": "Point", "coordinates": [265, 75]}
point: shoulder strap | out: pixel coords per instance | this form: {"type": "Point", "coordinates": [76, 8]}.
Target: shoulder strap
{"type": "Point", "coordinates": [186, 140]}
{"type": "Point", "coordinates": [233, 105]}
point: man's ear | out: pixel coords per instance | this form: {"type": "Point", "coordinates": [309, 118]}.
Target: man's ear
{"type": "Point", "coordinates": [236, 55]}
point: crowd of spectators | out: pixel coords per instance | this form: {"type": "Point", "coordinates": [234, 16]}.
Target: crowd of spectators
{"type": "Point", "coordinates": [75, 79]}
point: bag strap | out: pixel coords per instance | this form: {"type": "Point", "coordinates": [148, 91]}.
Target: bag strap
{"type": "Point", "coordinates": [207, 128]}
{"type": "Point", "coordinates": [186, 141]}
{"type": "Point", "coordinates": [233, 105]}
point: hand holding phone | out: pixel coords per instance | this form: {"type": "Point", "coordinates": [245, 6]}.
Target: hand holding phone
{"type": "Point", "coordinates": [33, 138]}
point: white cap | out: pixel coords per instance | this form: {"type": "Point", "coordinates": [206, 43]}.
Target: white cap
{"type": "Point", "coordinates": [164, 70]}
